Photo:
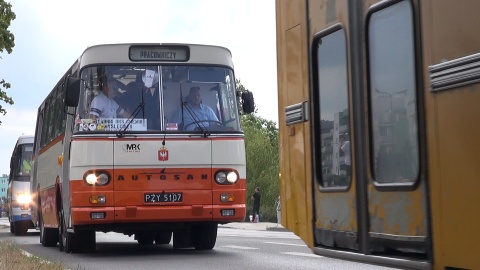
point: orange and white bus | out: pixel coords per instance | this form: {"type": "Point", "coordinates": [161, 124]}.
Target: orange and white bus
{"type": "Point", "coordinates": [120, 146]}
{"type": "Point", "coordinates": [378, 112]}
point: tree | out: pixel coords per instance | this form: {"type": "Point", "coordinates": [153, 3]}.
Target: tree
{"type": "Point", "coordinates": [7, 42]}
{"type": "Point", "coordinates": [261, 143]}
{"type": "Point", "coordinates": [240, 89]}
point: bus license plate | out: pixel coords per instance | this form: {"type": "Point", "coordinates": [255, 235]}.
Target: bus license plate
{"type": "Point", "coordinates": [163, 197]}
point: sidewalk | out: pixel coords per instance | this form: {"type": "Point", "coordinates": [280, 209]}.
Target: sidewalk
{"type": "Point", "coordinates": [260, 226]}
{"type": "Point", "coordinates": [4, 221]}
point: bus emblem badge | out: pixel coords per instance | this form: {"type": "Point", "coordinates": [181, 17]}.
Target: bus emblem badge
{"type": "Point", "coordinates": [163, 154]}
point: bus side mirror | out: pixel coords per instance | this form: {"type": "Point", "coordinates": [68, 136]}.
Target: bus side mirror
{"type": "Point", "coordinates": [72, 92]}
{"type": "Point", "coordinates": [248, 105]}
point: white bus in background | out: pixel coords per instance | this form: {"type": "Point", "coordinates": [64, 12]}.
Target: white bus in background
{"type": "Point", "coordinates": [18, 194]}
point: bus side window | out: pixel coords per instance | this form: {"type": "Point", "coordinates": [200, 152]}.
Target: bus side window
{"type": "Point", "coordinates": [16, 163]}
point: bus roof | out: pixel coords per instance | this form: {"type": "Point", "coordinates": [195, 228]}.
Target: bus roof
{"type": "Point", "coordinates": [23, 139]}
{"type": "Point", "coordinates": [122, 54]}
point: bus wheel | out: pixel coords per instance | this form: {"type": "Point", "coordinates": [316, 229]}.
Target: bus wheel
{"type": "Point", "coordinates": [61, 243]}
{"type": "Point", "coordinates": [20, 228]}
{"type": "Point", "coordinates": [163, 238]}
{"type": "Point", "coordinates": [145, 238]}
{"type": "Point", "coordinates": [48, 236]}
{"type": "Point", "coordinates": [204, 236]}
{"type": "Point", "coordinates": [69, 241]}
{"type": "Point", "coordinates": [12, 228]}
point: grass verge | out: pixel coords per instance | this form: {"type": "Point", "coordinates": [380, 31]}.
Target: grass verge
{"type": "Point", "coordinates": [13, 257]}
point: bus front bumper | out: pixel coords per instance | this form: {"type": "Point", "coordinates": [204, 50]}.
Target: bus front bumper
{"type": "Point", "coordinates": [158, 214]}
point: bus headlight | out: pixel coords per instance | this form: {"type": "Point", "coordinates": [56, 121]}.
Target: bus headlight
{"type": "Point", "coordinates": [220, 177]}
{"type": "Point", "coordinates": [23, 198]}
{"type": "Point", "coordinates": [102, 179]}
{"type": "Point", "coordinates": [232, 177]}
{"type": "Point", "coordinates": [91, 179]}
{"type": "Point", "coordinates": [97, 178]}
{"type": "Point", "coordinates": [226, 177]}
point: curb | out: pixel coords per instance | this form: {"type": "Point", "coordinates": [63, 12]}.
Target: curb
{"type": "Point", "coordinates": [245, 226]}
{"type": "Point", "coordinates": [277, 229]}
{"type": "Point", "coordinates": [226, 227]}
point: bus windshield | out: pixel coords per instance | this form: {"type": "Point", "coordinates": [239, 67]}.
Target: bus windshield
{"type": "Point", "coordinates": [173, 98]}
{"type": "Point", "coordinates": [22, 162]}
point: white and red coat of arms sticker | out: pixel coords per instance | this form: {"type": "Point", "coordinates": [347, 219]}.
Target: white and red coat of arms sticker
{"type": "Point", "coordinates": [163, 154]}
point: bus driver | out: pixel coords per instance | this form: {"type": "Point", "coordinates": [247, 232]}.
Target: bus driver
{"type": "Point", "coordinates": [193, 111]}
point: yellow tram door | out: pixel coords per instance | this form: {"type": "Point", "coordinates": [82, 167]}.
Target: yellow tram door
{"type": "Point", "coordinates": [370, 196]}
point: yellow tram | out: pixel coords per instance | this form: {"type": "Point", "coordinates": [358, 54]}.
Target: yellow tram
{"type": "Point", "coordinates": [378, 119]}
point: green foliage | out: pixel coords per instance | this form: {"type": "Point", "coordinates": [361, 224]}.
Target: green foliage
{"type": "Point", "coordinates": [240, 89]}
{"type": "Point", "coordinates": [7, 42]}
{"type": "Point", "coordinates": [267, 127]}
{"type": "Point", "coordinates": [261, 143]}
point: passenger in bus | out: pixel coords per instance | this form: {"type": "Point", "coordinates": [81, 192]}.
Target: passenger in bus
{"type": "Point", "coordinates": [137, 93]}
{"type": "Point", "coordinates": [193, 113]}
{"type": "Point", "coordinates": [104, 105]}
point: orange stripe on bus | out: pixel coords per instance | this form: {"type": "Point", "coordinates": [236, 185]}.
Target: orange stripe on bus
{"type": "Point", "coordinates": [52, 143]}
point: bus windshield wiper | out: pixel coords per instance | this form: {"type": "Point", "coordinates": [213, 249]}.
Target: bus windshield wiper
{"type": "Point", "coordinates": [121, 131]}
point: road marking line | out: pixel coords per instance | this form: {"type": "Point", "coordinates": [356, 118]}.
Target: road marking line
{"type": "Point", "coordinates": [287, 244]}
{"type": "Point", "coordinates": [240, 247]}
{"type": "Point", "coordinates": [301, 254]}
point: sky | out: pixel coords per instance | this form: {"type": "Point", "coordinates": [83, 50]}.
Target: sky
{"type": "Point", "coordinates": [51, 34]}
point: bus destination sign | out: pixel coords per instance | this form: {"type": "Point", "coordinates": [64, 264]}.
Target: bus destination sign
{"type": "Point", "coordinates": [159, 53]}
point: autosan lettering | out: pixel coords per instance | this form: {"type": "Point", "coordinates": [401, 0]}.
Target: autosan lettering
{"type": "Point", "coordinates": [131, 147]}
{"type": "Point", "coordinates": [162, 177]}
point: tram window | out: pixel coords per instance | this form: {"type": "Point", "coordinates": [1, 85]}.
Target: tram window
{"type": "Point", "coordinates": [393, 113]}
{"type": "Point", "coordinates": [334, 112]}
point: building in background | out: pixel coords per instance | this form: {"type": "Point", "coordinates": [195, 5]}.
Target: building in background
{"type": "Point", "coordinates": [3, 186]}
{"type": "Point", "coordinates": [3, 192]}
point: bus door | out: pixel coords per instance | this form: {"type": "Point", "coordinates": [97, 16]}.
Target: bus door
{"type": "Point", "coordinates": [371, 191]}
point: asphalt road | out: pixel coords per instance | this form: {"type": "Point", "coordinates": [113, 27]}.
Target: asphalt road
{"type": "Point", "coordinates": [237, 247]}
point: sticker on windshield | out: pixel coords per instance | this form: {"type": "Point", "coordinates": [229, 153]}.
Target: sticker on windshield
{"type": "Point", "coordinates": [112, 124]}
